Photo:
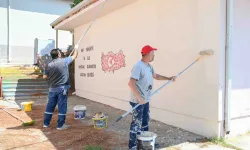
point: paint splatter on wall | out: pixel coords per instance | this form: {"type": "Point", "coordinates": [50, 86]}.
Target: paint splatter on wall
{"type": "Point", "coordinates": [112, 62]}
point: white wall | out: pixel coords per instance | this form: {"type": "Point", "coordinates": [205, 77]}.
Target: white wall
{"type": "Point", "coordinates": [179, 29]}
{"type": "Point", "coordinates": [30, 19]}
{"type": "Point", "coordinates": [240, 68]}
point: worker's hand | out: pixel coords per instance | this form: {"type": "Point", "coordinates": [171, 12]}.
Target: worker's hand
{"type": "Point", "coordinates": [76, 46]}
{"type": "Point", "coordinates": [142, 101]}
{"type": "Point", "coordinates": [173, 78]}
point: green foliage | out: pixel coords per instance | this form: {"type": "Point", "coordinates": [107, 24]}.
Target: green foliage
{"type": "Point", "coordinates": [93, 148]}
{"type": "Point", "coordinates": [222, 142]}
{"type": "Point", "coordinates": [75, 2]}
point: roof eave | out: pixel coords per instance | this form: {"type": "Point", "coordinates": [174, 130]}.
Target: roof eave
{"type": "Point", "coordinates": [87, 11]}
{"type": "Point", "coordinates": [70, 12]}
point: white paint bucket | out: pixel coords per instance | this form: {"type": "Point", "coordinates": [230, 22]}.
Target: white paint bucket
{"type": "Point", "coordinates": [146, 140]}
{"type": "Point", "coordinates": [79, 111]}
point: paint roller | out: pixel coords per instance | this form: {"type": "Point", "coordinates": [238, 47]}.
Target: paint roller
{"type": "Point", "coordinates": [202, 54]}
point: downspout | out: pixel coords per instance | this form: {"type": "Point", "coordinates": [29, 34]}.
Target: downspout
{"type": "Point", "coordinates": [8, 32]}
{"type": "Point", "coordinates": [73, 38]}
{"type": "Point", "coordinates": [56, 38]}
{"type": "Point", "coordinates": [228, 75]}
{"type": "Point", "coordinates": [73, 63]}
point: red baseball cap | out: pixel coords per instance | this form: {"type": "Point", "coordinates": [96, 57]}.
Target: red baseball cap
{"type": "Point", "coordinates": [146, 49]}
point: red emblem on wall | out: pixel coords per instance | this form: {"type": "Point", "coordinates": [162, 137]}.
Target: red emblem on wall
{"type": "Point", "coordinates": [112, 62]}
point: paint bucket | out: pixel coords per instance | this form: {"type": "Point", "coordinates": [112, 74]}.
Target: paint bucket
{"type": "Point", "coordinates": [146, 140]}
{"type": "Point", "coordinates": [100, 121]}
{"type": "Point", "coordinates": [26, 106]}
{"type": "Point", "coordinates": [79, 111]}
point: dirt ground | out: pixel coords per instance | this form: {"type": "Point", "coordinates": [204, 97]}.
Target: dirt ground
{"type": "Point", "coordinates": [81, 132]}
{"type": "Point", "coordinates": [78, 136]}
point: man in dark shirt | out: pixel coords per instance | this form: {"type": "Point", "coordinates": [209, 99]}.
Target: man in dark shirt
{"type": "Point", "coordinates": [57, 74]}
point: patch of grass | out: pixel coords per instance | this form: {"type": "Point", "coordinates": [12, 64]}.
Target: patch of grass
{"type": "Point", "coordinates": [93, 148]}
{"type": "Point", "coordinates": [222, 142]}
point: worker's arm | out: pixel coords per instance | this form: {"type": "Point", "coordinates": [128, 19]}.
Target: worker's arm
{"type": "Point", "coordinates": [75, 54]}
{"type": "Point", "coordinates": [69, 59]}
{"type": "Point", "coordinates": [160, 77]}
{"type": "Point", "coordinates": [132, 83]}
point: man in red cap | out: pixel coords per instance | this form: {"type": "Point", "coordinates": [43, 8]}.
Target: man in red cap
{"type": "Point", "coordinates": [141, 84]}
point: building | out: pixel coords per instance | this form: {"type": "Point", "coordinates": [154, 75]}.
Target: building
{"type": "Point", "coordinates": [199, 100]}
{"type": "Point", "coordinates": [23, 22]}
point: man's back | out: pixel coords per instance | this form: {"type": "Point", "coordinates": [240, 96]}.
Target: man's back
{"type": "Point", "coordinates": [57, 71]}
{"type": "Point", "coordinates": [57, 74]}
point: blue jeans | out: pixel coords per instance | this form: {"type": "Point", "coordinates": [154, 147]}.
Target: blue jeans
{"type": "Point", "coordinates": [140, 119]}
{"type": "Point", "coordinates": [54, 99]}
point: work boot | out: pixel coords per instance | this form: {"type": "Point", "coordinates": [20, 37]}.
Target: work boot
{"type": "Point", "coordinates": [65, 126]}
{"type": "Point", "coordinates": [45, 126]}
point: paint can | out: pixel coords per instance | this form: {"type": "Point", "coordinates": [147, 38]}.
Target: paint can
{"type": "Point", "coordinates": [100, 120]}
{"type": "Point", "coordinates": [146, 140]}
{"type": "Point", "coordinates": [26, 106]}
{"type": "Point", "coordinates": [79, 111]}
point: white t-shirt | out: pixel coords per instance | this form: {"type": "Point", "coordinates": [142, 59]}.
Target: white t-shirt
{"type": "Point", "coordinates": [143, 74]}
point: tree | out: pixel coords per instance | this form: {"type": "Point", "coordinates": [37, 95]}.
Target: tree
{"type": "Point", "coordinates": [75, 2]}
